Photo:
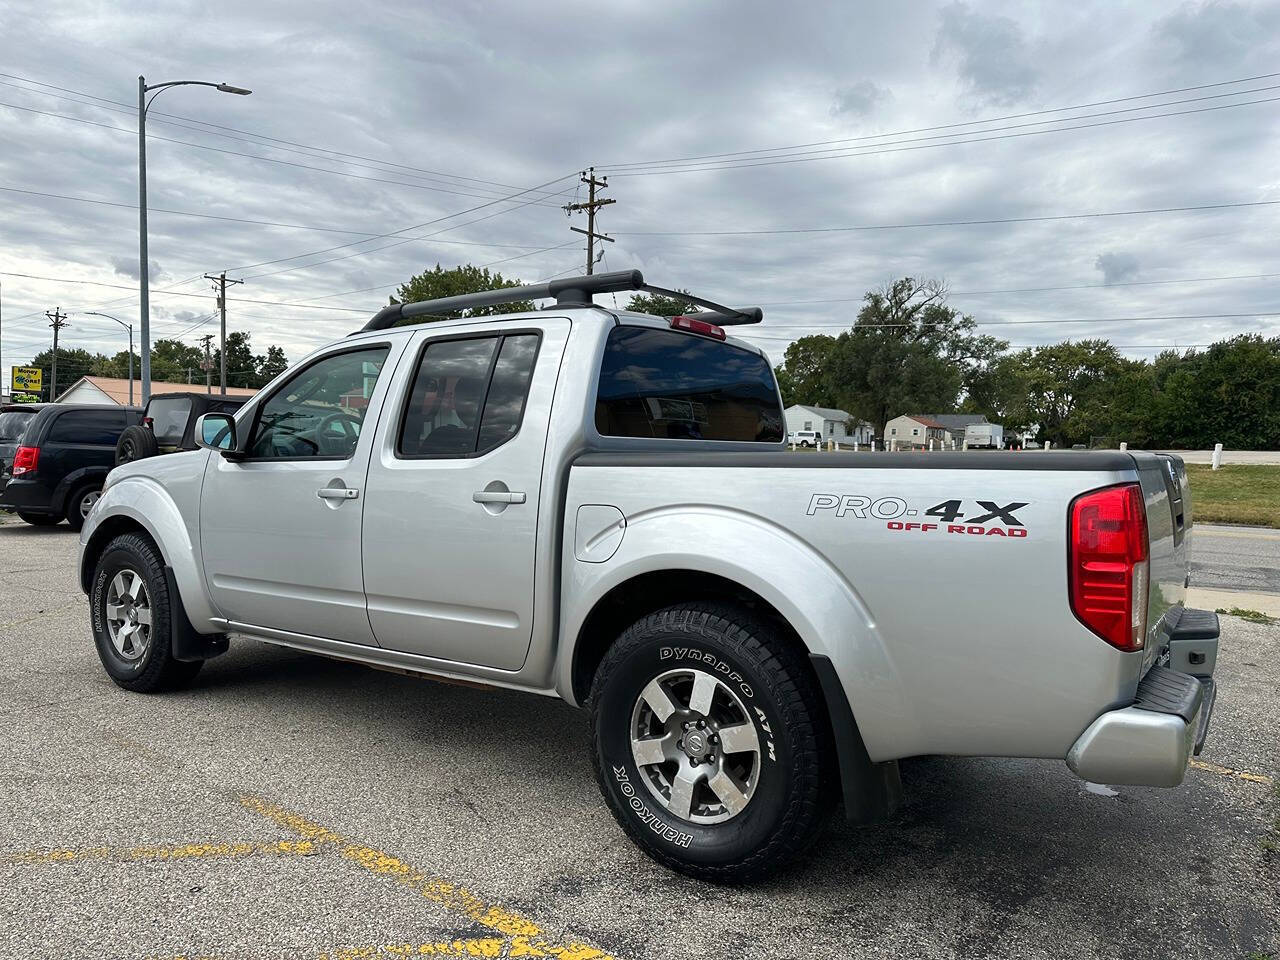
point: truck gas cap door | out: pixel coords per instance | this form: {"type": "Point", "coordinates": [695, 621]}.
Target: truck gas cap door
{"type": "Point", "coordinates": [598, 532]}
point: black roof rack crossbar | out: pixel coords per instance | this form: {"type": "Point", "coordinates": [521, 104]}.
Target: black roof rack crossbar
{"type": "Point", "coordinates": [569, 291]}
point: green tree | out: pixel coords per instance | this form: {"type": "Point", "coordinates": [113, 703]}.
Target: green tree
{"type": "Point", "coordinates": [433, 284]}
{"type": "Point", "coordinates": [804, 376]}
{"type": "Point", "coordinates": [660, 305]}
{"type": "Point", "coordinates": [172, 359]}
{"type": "Point", "coordinates": [72, 365]}
{"type": "Point", "coordinates": [907, 352]}
{"type": "Point", "coordinates": [1069, 389]}
{"type": "Point", "coordinates": [271, 365]}
{"type": "Point", "coordinates": [242, 365]}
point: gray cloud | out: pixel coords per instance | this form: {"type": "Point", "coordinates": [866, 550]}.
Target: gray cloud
{"type": "Point", "coordinates": [1218, 33]}
{"type": "Point", "coordinates": [859, 99]}
{"type": "Point", "coordinates": [992, 56]}
{"type": "Point", "coordinates": [128, 267]}
{"type": "Point", "coordinates": [1116, 267]}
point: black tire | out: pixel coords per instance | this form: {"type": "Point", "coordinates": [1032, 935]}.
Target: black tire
{"type": "Point", "coordinates": [39, 519]}
{"type": "Point", "coordinates": [136, 443]}
{"type": "Point", "coordinates": [75, 511]}
{"type": "Point", "coordinates": [772, 685]}
{"type": "Point", "coordinates": [155, 669]}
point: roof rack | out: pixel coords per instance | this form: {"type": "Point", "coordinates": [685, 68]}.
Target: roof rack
{"type": "Point", "coordinates": [569, 292]}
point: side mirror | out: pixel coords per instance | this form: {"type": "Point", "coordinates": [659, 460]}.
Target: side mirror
{"type": "Point", "coordinates": [216, 431]}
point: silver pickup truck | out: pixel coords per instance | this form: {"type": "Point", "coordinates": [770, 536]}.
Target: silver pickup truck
{"type": "Point", "coordinates": [600, 506]}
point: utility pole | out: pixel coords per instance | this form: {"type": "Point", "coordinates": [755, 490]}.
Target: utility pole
{"type": "Point", "coordinates": [57, 320]}
{"type": "Point", "coordinates": [207, 340]}
{"type": "Point", "coordinates": [592, 204]}
{"type": "Point", "coordinates": [220, 285]}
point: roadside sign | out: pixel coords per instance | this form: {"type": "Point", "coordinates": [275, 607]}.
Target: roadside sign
{"type": "Point", "coordinates": [27, 380]}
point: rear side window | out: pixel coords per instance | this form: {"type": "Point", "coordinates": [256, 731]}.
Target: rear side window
{"type": "Point", "coordinates": [468, 396]}
{"type": "Point", "coordinates": [676, 386]}
{"type": "Point", "coordinates": [169, 418]}
{"type": "Point", "coordinates": [13, 423]}
{"type": "Point", "coordinates": [101, 427]}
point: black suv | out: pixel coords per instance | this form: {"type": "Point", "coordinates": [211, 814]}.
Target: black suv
{"type": "Point", "coordinates": [166, 423]}
{"type": "Point", "coordinates": [65, 452]}
{"type": "Point", "coordinates": [14, 418]}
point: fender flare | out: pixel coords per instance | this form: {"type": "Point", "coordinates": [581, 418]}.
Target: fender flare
{"type": "Point", "coordinates": [729, 544]}
{"type": "Point", "coordinates": [147, 504]}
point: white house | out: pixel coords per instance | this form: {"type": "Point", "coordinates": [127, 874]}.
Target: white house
{"type": "Point", "coordinates": [836, 425]}
{"type": "Point", "coordinates": [113, 391]}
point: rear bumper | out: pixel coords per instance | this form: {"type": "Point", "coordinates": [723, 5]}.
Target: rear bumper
{"type": "Point", "coordinates": [29, 496]}
{"type": "Point", "coordinates": [1150, 742]}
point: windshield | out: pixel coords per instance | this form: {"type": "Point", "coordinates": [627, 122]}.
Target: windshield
{"type": "Point", "coordinates": [13, 423]}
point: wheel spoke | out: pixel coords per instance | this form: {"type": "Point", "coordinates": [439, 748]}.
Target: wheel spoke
{"type": "Point", "coordinates": [658, 701]}
{"type": "Point", "coordinates": [144, 616]}
{"type": "Point", "coordinates": [740, 738]}
{"type": "Point", "coordinates": [682, 792]}
{"type": "Point", "coordinates": [113, 611]}
{"type": "Point", "coordinates": [135, 587]}
{"type": "Point", "coordinates": [704, 691]}
{"type": "Point", "coordinates": [730, 793]}
{"type": "Point", "coordinates": [649, 751]}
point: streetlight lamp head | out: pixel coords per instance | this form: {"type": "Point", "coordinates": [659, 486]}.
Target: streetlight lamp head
{"type": "Point", "coordinates": [228, 88]}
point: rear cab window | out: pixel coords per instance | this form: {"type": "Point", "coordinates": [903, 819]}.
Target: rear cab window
{"type": "Point", "coordinates": [169, 418]}
{"type": "Point", "coordinates": [666, 384]}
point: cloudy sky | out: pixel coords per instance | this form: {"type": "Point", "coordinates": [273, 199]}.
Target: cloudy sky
{"type": "Point", "coordinates": [741, 140]}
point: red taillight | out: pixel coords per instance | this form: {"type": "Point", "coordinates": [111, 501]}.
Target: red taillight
{"type": "Point", "coordinates": [148, 422]}
{"type": "Point", "coordinates": [697, 326]}
{"type": "Point", "coordinates": [25, 460]}
{"type": "Point", "coordinates": [1108, 559]}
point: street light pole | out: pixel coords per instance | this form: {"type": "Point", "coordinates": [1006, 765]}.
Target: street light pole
{"type": "Point", "coordinates": [129, 327]}
{"type": "Point", "coordinates": [144, 272]}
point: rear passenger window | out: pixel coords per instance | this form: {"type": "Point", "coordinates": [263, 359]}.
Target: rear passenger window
{"type": "Point", "coordinates": [100, 427]}
{"type": "Point", "coordinates": [467, 396]}
{"type": "Point", "coordinates": [676, 386]}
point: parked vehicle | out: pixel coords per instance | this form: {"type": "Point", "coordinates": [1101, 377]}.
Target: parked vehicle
{"type": "Point", "coordinates": [806, 438]}
{"type": "Point", "coordinates": [984, 436]}
{"type": "Point", "coordinates": [65, 453]}
{"type": "Point", "coordinates": [166, 424]}
{"type": "Point", "coordinates": [597, 505]}
{"type": "Point", "coordinates": [14, 418]}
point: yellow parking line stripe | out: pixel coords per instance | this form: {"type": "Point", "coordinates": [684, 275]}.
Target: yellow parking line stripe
{"type": "Point", "coordinates": [184, 851]}
{"type": "Point", "coordinates": [520, 937]}
{"type": "Point", "coordinates": [1228, 772]}
{"type": "Point", "coordinates": [476, 947]}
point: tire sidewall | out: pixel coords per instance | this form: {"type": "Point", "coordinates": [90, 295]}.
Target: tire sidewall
{"type": "Point", "coordinates": [115, 559]}
{"type": "Point", "coordinates": [635, 805]}
{"type": "Point", "coordinates": [74, 517]}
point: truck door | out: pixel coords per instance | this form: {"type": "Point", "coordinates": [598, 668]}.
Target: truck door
{"type": "Point", "coordinates": [451, 517]}
{"type": "Point", "coordinates": [280, 529]}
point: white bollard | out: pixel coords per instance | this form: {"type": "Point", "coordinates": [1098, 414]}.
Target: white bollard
{"type": "Point", "coordinates": [1217, 456]}
{"type": "Point", "coordinates": [873, 446]}
{"type": "Point", "coordinates": [1048, 445]}
{"type": "Point", "coordinates": [855, 446]}
{"type": "Point", "coordinates": [966, 445]}
{"type": "Point", "coordinates": [793, 444]}
{"type": "Point", "coordinates": [1124, 445]}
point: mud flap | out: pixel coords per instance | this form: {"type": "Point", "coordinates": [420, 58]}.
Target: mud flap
{"type": "Point", "coordinates": [187, 642]}
{"type": "Point", "coordinates": [872, 791]}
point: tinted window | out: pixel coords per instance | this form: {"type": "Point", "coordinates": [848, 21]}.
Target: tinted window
{"type": "Point", "coordinates": [661, 383]}
{"type": "Point", "coordinates": [13, 422]}
{"type": "Point", "coordinates": [169, 417]}
{"type": "Point", "coordinates": [320, 410]}
{"type": "Point", "coordinates": [468, 395]}
{"type": "Point", "coordinates": [102, 427]}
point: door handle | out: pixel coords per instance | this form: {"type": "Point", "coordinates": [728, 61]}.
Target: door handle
{"type": "Point", "coordinates": [498, 496]}
{"type": "Point", "coordinates": [338, 493]}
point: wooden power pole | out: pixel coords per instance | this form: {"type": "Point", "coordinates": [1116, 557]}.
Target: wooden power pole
{"type": "Point", "coordinates": [57, 320]}
{"type": "Point", "coordinates": [591, 206]}
{"type": "Point", "coordinates": [207, 340]}
{"type": "Point", "coordinates": [220, 285]}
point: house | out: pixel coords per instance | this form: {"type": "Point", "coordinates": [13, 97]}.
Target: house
{"type": "Point", "coordinates": [956, 423]}
{"type": "Point", "coordinates": [833, 424]}
{"type": "Point", "coordinates": [108, 391]}
{"type": "Point", "coordinates": [915, 430]}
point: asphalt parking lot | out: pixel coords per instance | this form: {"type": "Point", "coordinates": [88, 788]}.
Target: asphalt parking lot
{"type": "Point", "coordinates": [290, 806]}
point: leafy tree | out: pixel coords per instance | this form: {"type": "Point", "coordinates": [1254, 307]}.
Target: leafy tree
{"type": "Point", "coordinates": [242, 365]}
{"type": "Point", "coordinates": [272, 365]}
{"type": "Point", "coordinates": [72, 365]}
{"type": "Point", "coordinates": [804, 376]}
{"type": "Point", "coordinates": [1068, 388]}
{"type": "Point", "coordinates": [433, 284]}
{"type": "Point", "coordinates": [660, 305]}
{"type": "Point", "coordinates": [172, 359]}
{"type": "Point", "coordinates": [907, 351]}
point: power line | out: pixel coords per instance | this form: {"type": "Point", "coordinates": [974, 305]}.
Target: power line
{"type": "Point", "coordinates": [876, 150]}
{"type": "Point", "coordinates": [1080, 286]}
{"type": "Point", "coordinates": [945, 126]}
{"type": "Point", "coordinates": [131, 109]}
{"type": "Point", "coordinates": [591, 205]}
{"type": "Point", "coordinates": [947, 223]}
{"type": "Point", "coordinates": [777, 331]}
{"type": "Point", "coordinates": [254, 156]}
